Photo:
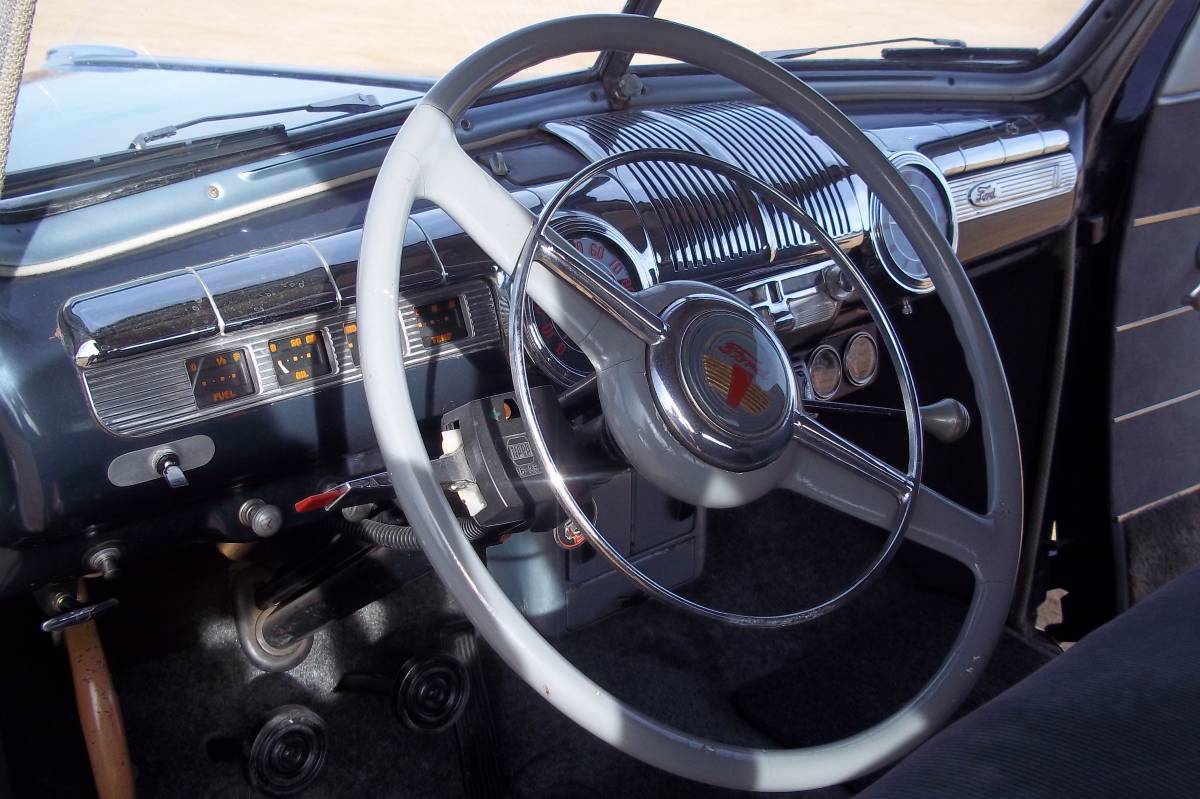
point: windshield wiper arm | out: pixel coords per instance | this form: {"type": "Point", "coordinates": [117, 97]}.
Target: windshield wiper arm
{"type": "Point", "coordinates": [346, 104]}
{"type": "Point", "coordinates": [783, 55]}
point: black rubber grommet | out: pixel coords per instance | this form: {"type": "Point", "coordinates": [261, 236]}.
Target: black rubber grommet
{"type": "Point", "coordinates": [286, 751]}
{"type": "Point", "coordinates": [431, 693]}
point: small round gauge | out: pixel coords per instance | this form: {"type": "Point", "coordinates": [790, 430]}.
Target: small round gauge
{"type": "Point", "coordinates": [861, 357]}
{"type": "Point", "coordinates": [550, 347]}
{"type": "Point", "coordinates": [824, 371]}
{"type": "Point", "coordinates": [897, 254]}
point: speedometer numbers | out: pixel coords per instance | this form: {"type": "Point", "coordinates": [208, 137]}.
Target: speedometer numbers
{"type": "Point", "coordinates": [556, 354]}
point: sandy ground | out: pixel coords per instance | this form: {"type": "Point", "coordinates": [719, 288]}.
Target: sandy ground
{"type": "Point", "coordinates": [427, 37]}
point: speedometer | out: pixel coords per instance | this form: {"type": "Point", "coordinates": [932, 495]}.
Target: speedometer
{"type": "Point", "coordinates": [893, 248]}
{"type": "Point", "coordinates": [557, 355]}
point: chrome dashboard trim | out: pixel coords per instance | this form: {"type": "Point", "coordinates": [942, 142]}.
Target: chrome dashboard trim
{"type": "Point", "coordinates": [337, 292]}
{"type": "Point", "coordinates": [1014, 186]}
{"type": "Point", "coordinates": [148, 394]}
{"type": "Point", "coordinates": [213, 302]}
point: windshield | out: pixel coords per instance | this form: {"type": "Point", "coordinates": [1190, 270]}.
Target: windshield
{"type": "Point", "coordinates": [770, 25]}
{"type": "Point", "coordinates": [397, 37]}
{"type": "Point", "coordinates": [427, 38]}
{"type": "Point", "coordinates": [104, 81]}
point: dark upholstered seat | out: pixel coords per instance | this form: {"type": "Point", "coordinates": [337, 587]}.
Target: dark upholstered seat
{"type": "Point", "coordinates": [1118, 715]}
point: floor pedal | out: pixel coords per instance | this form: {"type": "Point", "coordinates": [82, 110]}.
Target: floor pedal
{"type": "Point", "coordinates": [478, 752]}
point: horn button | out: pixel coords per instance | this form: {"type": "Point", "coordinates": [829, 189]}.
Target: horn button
{"type": "Point", "coordinates": [723, 382]}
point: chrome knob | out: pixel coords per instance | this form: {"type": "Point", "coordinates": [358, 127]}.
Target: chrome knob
{"type": "Point", "coordinates": [262, 519]}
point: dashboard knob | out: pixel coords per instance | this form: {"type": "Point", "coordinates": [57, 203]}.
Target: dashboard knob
{"type": "Point", "coordinates": [263, 519]}
{"type": "Point", "coordinates": [838, 284]}
{"type": "Point", "coordinates": [168, 466]}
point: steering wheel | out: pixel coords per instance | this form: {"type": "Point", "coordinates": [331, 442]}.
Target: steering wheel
{"type": "Point", "coordinates": [680, 428]}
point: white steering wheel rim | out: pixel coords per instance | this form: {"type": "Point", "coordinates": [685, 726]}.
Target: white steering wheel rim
{"type": "Point", "coordinates": [425, 161]}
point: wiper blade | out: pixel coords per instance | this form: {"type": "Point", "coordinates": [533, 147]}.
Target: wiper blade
{"type": "Point", "coordinates": [346, 104]}
{"type": "Point", "coordinates": [785, 55]}
{"type": "Point", "coordinates": [984, 55]}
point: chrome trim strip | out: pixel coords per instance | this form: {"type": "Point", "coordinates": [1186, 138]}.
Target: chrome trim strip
{"type": "Point", "coordinates": [1158, 406]}
{"type": "Point", "coordinates": [183, 228]}
{"type": "Point", "coordinates": [437, 256]}
{"type": "Point", "coordinates": [1158, 503]}
{"type": "Point", "coordinates": [211, 300]}
{"type": "Point", "coordinates": [337, 292]}
{"type": "Point", "coordinates": [1149, 320]}
{"type": "Point", "coordinates": [1166, 216]}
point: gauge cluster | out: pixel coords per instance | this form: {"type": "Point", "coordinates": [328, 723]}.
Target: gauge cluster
{"type": "Point", "coordinates": [839, 364]}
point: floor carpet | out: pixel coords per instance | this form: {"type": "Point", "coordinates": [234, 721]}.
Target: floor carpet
{"type": "Point", "coordinates": [185, 686]}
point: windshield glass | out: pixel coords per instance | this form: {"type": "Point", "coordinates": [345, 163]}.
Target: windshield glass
{"type": "Point", "coordinates": [104, 80]}
{"type": "Point", "coordinates": [770, 25]}
{"type": "Point", "coordinates": [399, 37]}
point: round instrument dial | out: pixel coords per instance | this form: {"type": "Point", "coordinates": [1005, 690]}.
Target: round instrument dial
{"type": "Point", "coordinates": [897, 254]}
{"type": "Point", "coordinates": [861, 357]}
{"type": "Point", "coordinates": [824, 371]}
{"type": "Point", "coordinates": [550, 347]}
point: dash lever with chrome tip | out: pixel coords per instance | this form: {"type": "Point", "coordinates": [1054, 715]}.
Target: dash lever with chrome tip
{"type": "Point", "coordinates": [361, 491]}
{"type": "Point", "coordinates": [946, 420]}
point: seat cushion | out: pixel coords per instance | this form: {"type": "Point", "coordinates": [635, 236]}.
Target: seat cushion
{"type": "Point", "coordinates": [1116, 715]}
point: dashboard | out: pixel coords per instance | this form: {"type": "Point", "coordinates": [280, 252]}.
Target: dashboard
{"type": "Point", "coordinates": [254, 350]}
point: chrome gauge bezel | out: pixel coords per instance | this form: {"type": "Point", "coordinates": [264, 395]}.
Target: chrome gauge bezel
{"type": "Point", "coordinates": [911, 158]}
{"type": "Point", "coordinates": [846, 372]}
{"type": "Point", "coordinates": [571, 225]}
{"type": "Point", "coordinates": [841, 371]}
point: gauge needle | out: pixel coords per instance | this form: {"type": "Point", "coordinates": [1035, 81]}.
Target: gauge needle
{"type": "Point", "coordinates": [282, 366]}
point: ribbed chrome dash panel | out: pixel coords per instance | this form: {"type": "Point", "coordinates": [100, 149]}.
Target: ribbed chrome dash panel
{"type": "Point", "coordinates": [702, 220]}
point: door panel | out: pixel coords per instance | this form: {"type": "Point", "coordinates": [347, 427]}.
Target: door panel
{"type": "Point", "coordinates": [1155, 399]}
